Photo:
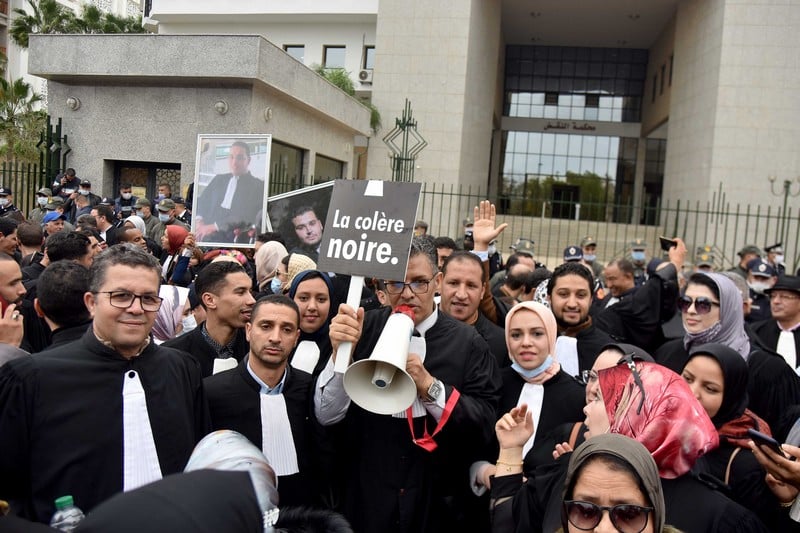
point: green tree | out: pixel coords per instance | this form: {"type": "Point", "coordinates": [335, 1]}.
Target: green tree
{"type": "Point", "coordinates": [341, 78]}
{"type": "Point", "coordinates": [46, 16]}
{"type": "Point", "coordinates": [94, 20]}
{"type": "Point", "coordinates": [20, 122]}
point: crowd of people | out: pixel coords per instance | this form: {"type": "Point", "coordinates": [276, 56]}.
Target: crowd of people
{"type": "Point", "coordinates": [163, 384]}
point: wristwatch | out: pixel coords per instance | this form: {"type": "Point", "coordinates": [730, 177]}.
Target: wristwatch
{"type": "Point", "coordinates": [434, 391]}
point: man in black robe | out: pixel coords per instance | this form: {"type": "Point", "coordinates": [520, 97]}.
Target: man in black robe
{"type": "Point", "coordinates": [399, 481]}
{"type": "Point", "coordinates": [570, 294]}
{"type": "Point", "coordinates": [462, 288]}
{"type": "Point", "coordinates": [781, 333]}
{"type": "Point", "coordinates": [637, 315]}
{"type": "Point", "coordinates": [230, 201]}
{"type": "Point", "coordinates": [264, 396]}
{"type": "Point", "coordinates": [103, 414]}
{"type": "Point", "coordinates": [219, 343]}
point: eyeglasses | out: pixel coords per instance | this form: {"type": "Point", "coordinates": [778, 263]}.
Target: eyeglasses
{"type": "Point", "coordinates": [775, 295]}
{"type": "Point", "coordinates": [125, 299]}
{"type": "Point", "coordinates": [588, 376]}
{"type": "Point", "coordinates": [702, 305]}
{"type": "Point", "coordinates": [626, 518]}
{"type": "Point", "coordinates": [417, 287]}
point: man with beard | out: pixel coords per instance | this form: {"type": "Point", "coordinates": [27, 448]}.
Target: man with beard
{"type": "Point", "coordinates": [579, 341]}
{"type": "Point", "coordinates": [267, 400]}
{"type": "Point", "coordinates": [220, 342]}
{"type": "Point", "coordinates": [308, 229]}
{"type": "Point", "coordinates": [461, 291]}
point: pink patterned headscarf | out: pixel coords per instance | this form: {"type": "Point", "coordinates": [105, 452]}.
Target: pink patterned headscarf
{"type": "Point", "coordinates": [662, 414]}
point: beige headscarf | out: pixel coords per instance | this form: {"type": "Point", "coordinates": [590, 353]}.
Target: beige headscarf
{"type": "Point", "coordinates": [298, 263]}
{"type": "Point", "coordinates": [267, 259]}
{"type": "Point", "coordinates": [551, 331]}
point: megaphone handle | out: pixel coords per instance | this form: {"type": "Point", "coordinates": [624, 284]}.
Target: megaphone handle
{"type": "Point", "coordinates": [353, 300]}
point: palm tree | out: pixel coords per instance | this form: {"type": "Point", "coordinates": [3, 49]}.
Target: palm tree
{"type": "Point", "coordinates": [47, 16]}
{"type": "Point", "coordinates": [94, 20]}
{"type": "Point", "coordinates": [20, 123]}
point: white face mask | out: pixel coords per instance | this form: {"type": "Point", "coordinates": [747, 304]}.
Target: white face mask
{"type": "Point", "coordinates": [189, 323]}
{"type": "Point", "coordinates": [3, 202]}
{"type": "Point", "coordinates": [127, 195]}
{"type": "Point", "coordinates": [492, 249]}
{"type": "Point", "coordinates": [41, 200]}
{"type": "Point", "coordinates": [85, 192]}
{"type": "Point", "coordinates": [759, 286]}
{"type": "Point", "coordinates": [779, 259]}
{"type": "Point", "coordinates": [275, 285]}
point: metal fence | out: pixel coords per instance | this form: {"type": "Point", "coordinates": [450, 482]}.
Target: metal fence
{"type": "Point", "coordinates": [556, 225]}
{"type": "Point", "coordinates": [23, 180]}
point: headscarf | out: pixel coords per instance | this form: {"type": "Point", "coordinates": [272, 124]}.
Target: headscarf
{"type": "Point", "coordinates": [138, 223]}
{"type": "Point", "coordinates": [298, 263]}
{"type": "Point", "coordinates": [267, 259]}
{"type": "Point", "coordinates": [731, 317]}
{"type": "Point", "coordinates": [629, 451]}
{"type": "Point", "coordinates": [551, 331]}
{"type": "Point", "coordinates": [733, 417]}
{"type": "Point", "coordinates": [170, 313]}
{"type": "Point", "coordinates": [228, 450]}
{"type": "Point", "coordinates": [322, 332]}
{"type": "Point", "coordinates": [175, 236]}
{"type": "Point", "coordinates": [655, 406]}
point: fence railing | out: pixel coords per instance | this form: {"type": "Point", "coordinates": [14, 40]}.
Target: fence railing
{"type": "Point", "coordinates": [23, 180]}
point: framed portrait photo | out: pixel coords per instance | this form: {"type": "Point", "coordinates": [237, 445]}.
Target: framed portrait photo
{"type": "Point", "coordinates": [230, 189]}
{"type": "Point", "coordinates": [300, 217]}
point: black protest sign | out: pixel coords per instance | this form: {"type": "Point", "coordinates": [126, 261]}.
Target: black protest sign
{"type": "Point", "coordinates": [369, 228]}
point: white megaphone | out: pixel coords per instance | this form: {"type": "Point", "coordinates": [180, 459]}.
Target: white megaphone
{"type": "Point", "coordinates": [381, 384]}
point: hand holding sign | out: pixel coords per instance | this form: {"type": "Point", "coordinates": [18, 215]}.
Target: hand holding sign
{"type": "Point", "coordinates": [346, 327]}
{"type": "Point", "coordinates": [368, 232]}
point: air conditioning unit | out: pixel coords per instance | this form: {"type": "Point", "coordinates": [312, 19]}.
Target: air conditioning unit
{"type": "Point", "coordinates": [365, 75]}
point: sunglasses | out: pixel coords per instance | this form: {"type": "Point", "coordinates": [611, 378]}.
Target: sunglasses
{"type": "Point", "coordinates": [702, 305]}
{"type": "Point", "coordinates": [626, 518]}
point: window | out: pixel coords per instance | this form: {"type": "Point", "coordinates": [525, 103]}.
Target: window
{"type": "Point", "coordinates": [550, 98]}
{"type": "Point", "coordinates": [297, 51]}
{"type": "Point", "coordinates": [663, 77]}
{"type": "Point", "coordinates": [369, 57]}
{"type": "Point", "coordinates": [327, 169]}
{"type": "Point", "coordinates": [333, 56]}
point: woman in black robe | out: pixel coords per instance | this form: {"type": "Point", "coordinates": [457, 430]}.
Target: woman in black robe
{"type": "Point", "coordinates": [712, 311]}
{"type": "Point", "coordinates": [718, 377]}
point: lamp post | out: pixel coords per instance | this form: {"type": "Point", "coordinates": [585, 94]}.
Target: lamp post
{"type": "Point", "coordinates": [787, 192]}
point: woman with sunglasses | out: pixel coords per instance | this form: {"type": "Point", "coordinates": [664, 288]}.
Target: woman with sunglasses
{"type": "Point", "coordinates": [654, 406]}
{"type": "Point", "coordinates": [717, 375]}
{"type": "Point", "coordinates": [712, 311]}
{"type": "Point", "coordinates": [612, 484]}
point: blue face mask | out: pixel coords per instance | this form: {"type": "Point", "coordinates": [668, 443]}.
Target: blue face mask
{"type": "Point", "coordinates": [532, 373]}
{"type": "Point", "coordinates": [160, 197]}
{"type": "Point", "coordinates": [589, 257]}
{"type": "Point", "coordinates": [275, 285]}
{"type": "Point", "coordinates": [163, 217]}
{"type": "Point", "coordinates": [637, 255]}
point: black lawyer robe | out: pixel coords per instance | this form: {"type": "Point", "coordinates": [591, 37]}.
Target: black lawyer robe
{"type": "Point", "coordinates": [61, 421]}
{"type": "Point", "coordinates": [495, 337]}
{"type": "Point", "coordinates": [195, 344]}
{"type": "Point", "coordinates": [393, 484]}
{"type": "Point", "coordinates": [234, 403]}
{"type": "Point", "coordinates": [767, 333]}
